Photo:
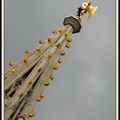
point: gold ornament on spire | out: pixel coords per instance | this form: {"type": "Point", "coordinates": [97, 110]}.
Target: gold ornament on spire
{"type": "Point", "coordinates": [62, 52]}
{"type": "Point", "coordinates": [49, 56]}
{"type": "Point", "coordinates": [49, 40]}
{"type": "Point", "coordinates": [87, 7]}
{"type": "Point", "coordinates": [55, 66]}
{"type": "Point", "coordinates": [58, 45]}
{"type": "Point", "coordinates": [39, 70]}
{"type": "Point", "coordinates": [68, 39]}
{"type": "Point", "coordinates": [52, 76]}
{"type": "Point", "coordinates": [59, 61]}
{"type": "Point", "coordinates": [60, 30]}
{"type": "Point", "coordinates": [21, 94]}
{"type": "Point", "coordinates": [42, 95]}
{"type": "Point", "coordinates": [67, 34]}
{"type": "Point", "coordinates": [30, 82]}
{"type": "Point", "coordinates": [38, 98]}
{"type": "Point", "coordinates": [27, 52]}
{"type": "Point", "coordinates": [46, 83]}
{"type": "Point", "coordinates": [67, 45]}
{"type": "Point", "coordinates": [42, 42]}
{"type": "Point", "coordinates": [13, 71]}
{"type": "Point", "coordinates": [38, 49]}
{"type": "Point", "coordinates": [54, 31]}
{"type": "Point", "coordinates": [11, 63]}
{"type": "Point", "coordinates": [31, 114]}
{"type": "Point", "coordinates": [25, 60]}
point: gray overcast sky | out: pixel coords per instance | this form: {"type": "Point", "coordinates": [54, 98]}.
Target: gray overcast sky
{"type": "Point", "coordinates": [84, 87]}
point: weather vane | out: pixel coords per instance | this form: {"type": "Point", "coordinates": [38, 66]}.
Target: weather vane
{"type": "Point", "coordinates": [26, 79]}
{"type": "Point", "coordinates": [87, 7]}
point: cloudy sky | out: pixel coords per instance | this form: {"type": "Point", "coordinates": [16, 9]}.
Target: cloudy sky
{"type": "Point", "coordinates": [84, 87]}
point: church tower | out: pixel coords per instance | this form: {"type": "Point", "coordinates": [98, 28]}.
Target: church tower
{"type": "Point", "coordinates": [26, 79]}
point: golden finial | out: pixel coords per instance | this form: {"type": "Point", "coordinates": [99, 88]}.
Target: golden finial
{"type": "Point", "coordinates": [49, 56]}
{"type": "Point", "coordinates": [68, 39]}
{"type": "Point", "coordinates": [55, 66]}
{"type": "Point", "coordinates": [11, 63]}
{"type": "Point", "coordinates": [38, 98]}
{"type": "Point", "coordinates": [25, 60]}
{"type": "Point", "coordinates": [38, 49]}
{"type": "Point", "coordinates": [42, 42]}
{"type": "Point", "coordinates": [42, 95]}
{"type": "Point", "coordinates": [67, 45]}
{"type": "Point", "coordinates": [13, 71]}
{"type": "Point", "coordinates": [87, 7]}
{"type": "Point", "coordinates": [21, 94]}
{"type": "Point", "coordinates": [60, 30]}
{"type": "Point", "coordinates": [31, 114]}
{"type": "Point", "coordinates": [46, 83]}
{"type": "Point", "coordinates": [54, 31]}
{"type": "Point", "coordinates": [62, 52]}
{"type": "Point", "coordinates": [39, 70]}
{"type": "Point", "coordinates": [52, 76]}
{"type": "Point", "coordinates": [58, 45]}
{"type": "Point", "coordinates": [30, 82]}
{"type": "Point", "coordinates": [91, 11]}
{"type": "Point", "coordinates": [59, 61]}
{"type": "Point", "coordinates": [49, 40]}
{"type": "Point", "coordinates": [67, 34]}
{"type": "Point", "coordinates": [27, 51]}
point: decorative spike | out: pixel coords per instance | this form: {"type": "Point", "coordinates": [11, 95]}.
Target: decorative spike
{"type": "Point", "coordinates": [68, 39]}
{"type": "Point", "coordinates": [52, 76]}
{"type": "Point", "coordinates": [11, 64]}
{"type": "Point", "coordinates": [38, 49]}
{"type": "Point", "coordinates": [42, 95]}
{"type": "Point", "coordinates": [60, 30]}
{"type": "Point", "coordinates": [67, 45]}
{"type": "Point", "coordinates": [91, 11]}
{"type": "Point", "coordinates": [49, 56]}
{"type": "Point", "coordinates": [13, 71]}
{"type": "Point", "coordinates": [62, 52]}
{"type": "Point", "coordinates": [30, 82]}
{"type": "Point", "coordinates": [31, 114]}
{"type": "Point", "coordinates": [42, 42]}
{"type": "Point", "coordinates": [38, 98]}
{"type": "Point", "coordinates": [27, 52]}
{"type": "Point", "coordinates": [67, 34]}
{"type": "Point", "coordinates": [58, 45]}
{"type": "Point", "coordinates": [59, 61]}
{"type": "Point", "coordinates": [49, 40]}
{"type": "Point", "coordinates": [25, 60]}
{"type": "Point", "coordinates": [55, 66]}
{"type": "Point", "coordinates": [39, 70]}
{"type": "Point", "coordinates": [46, 83]}
{"type": "Point", "coordinates": [87, 7]}
{"type": "Point", "coordinates": [21, 94]}
{"type": "Point", "coordinates": [54, 31]}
